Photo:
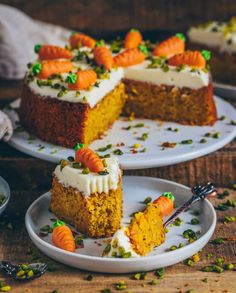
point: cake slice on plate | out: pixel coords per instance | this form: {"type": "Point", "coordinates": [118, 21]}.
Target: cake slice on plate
{"type": "Point", "coordinates": [87, 193]}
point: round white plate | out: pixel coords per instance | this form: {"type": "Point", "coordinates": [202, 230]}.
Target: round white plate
{"type": "Point", "coordinates": [155, 155]}
{"type": "Point", "coordinates": [225, 90]}
{"type": "Point", "coordinates": [135, 190]}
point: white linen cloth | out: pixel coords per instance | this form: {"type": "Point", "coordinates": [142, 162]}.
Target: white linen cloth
{"type": "Point", "coordinates": [18, 35]}
{"type": "Point", "coordinates": [6, 129]}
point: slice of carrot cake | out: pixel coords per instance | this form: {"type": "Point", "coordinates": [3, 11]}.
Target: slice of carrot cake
{"type": "Point", "coordinates": [220, 38]}
{"type": "Point", "coordinates": [144, 232]}
{"type": "Point", "coordinates": [87, 192]}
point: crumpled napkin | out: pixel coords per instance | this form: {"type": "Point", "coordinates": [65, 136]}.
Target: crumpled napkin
{"type": "Point", "coordinates": [6, 129]}
{"type": "Point", "coordinates": [18, 35]}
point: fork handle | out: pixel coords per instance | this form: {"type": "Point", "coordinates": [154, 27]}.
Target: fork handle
{"type": "Point", "coordinates": [181, 209]}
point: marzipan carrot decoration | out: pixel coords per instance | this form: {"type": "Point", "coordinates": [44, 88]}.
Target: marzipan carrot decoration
{"type": "Point", "coordinates": [133, 39]}
{"type": "Point", "coordinates": [166, 203]}
{"type": "Point", "coordinates": [81, 39]}
{"type": "Point", "coordinates": [194, 59]}
{"type": "Point", "coordinates": [50, 52]}
{"type": "Point", "coordinates": [130, 57]}
{"type": "Point", "coordinates": [172, 46]}
{"type": "Point", "coordinates": [62, 236]}
{"type": "Point", "coordinates": [81, 80]}
{"type": "Point", "coordinates": [103, 56]}
{"type": "Point", "coordinates": [49, 67]}
{"type": "Point", "coordinates": [89, 159]}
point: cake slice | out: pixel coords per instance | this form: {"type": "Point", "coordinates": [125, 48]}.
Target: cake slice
{"type": "Point", "coordinates": [87, 193]}
{"type": "Point", "coordinates": [220, 38]}
{"type": "Point", "coordinates": [144, 232]}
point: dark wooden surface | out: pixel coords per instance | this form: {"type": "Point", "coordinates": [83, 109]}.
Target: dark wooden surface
{"type": "Point", "coordinates": [103, 17]}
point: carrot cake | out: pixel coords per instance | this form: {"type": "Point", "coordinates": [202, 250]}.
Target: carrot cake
{"type": "Point", "coordinates": [144, 232]}
{"type": "Point", "coordinates": [87, 193]}
{"type": "Point", "coordinates": [220, 38]}
{"type": "Point", "coordinates": [75, 94]}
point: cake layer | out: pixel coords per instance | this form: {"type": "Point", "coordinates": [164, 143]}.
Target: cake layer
{"type": "Point", "coordinates": [92, 182]}
{"type": "Point", "coordinates": [98, 215]}
{"type": "Point", "coordinates": [66, 123]}
{"type": "Point", "coordinates": [170, 103]}
{"type": "Point", "coordinates": [169, 75]}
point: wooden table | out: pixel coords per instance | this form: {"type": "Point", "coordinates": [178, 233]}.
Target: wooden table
{"type": "Point", "coordinates": [29, 177]}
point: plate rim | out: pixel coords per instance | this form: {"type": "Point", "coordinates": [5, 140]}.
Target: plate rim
{"type": "Point", "coordinates": [149, 163]}
{"type": "Point", "coordinates": [47, 245]}
{"type": "Point", "coordinates": [6, 187]}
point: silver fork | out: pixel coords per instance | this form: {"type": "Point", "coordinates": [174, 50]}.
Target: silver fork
{"type": "Point", "coordinates": [199, 192]}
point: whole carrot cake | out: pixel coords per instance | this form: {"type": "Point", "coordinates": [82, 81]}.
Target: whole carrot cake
{"type": "Point", "coordinates": [75, 94]}
{"type": "Point", "coordinates": [87, 193]}
{"type": "Point", "coordinates": [220, 38]}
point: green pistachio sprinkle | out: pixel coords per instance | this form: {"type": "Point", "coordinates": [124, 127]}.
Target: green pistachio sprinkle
{"type": "Point", "coordinates": [37, 67]}
{"type": "Point", "coordinates": [181, 36]}
{"type": "Point", "coordinates": [206, 54]}
{"type": "Point", "coordinates": [212, 268]}
{"type": "Point", "coordinates": [208, 134]}
{"type": "Point", "coordinates": [223, 194]}
{"type": "Point", "coordinates": [144, 136]}
{"type": "Point", "coordinates": [89, 277]}
{"type": "Point", "coordinates": [37, 48]}
{"type": "Point", "coordinates": [76, 165]}
{"type": "Point", "coordinates": [70, 159]}
{"type": "Point", "coordinates": [160, 273]}
{"type": "Point", "coordinates": [229, 266]}
{"type": "Point", "coordinates": [140, 276]}
{"type": "Point", "coordinates": [229, 219]}
{"type": "Point", "coordinates": [194, 221]}
{"type": "Point", "coordinates": [118, 152]}
{"type": "Point", "coordinates": [6, 288]}
{"type": "Point", "coordinates": [103, 149]}
{"type": "Point", "coordinates": [216, 135]}
{"type": "Point", "coordinates": [233, 122]}
{"type": "Point", "coordinates": [205, 280]}
{"type": "Point", "coordinates": [217, 241]}
{"type": "Point", "coordinates": [147, 200]}
{"type": "Point", "coordinates": [189, 234]}
{"type": "Point", "coordinates": [153, 282]}
{"type": "Point", "coordinates": [120, 286]}
{"type": "Point", "coordinates": [222, 118]}
{"type": "Point", "coordinates": [203, 140]}
{"type": "Point", "coordinates": [187, 141]}
{"type": "Point", "coordinates": [71, 78]}
{"type": "Point", "coordinates": [177, 222]}
{"type": "Point", "coordinates": [86, 171]}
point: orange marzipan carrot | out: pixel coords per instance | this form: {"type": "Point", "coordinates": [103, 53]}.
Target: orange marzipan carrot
{"type": "Point", "coordinates": [190, 58]}
{"type": "Point", "coordinates": [166, 205]}
{"type": "Point", "coordinates": [50, 52]}
{"type": "Point", "coordinates": [103, 56]}
{"type": "Point", "coordinates": [133, 39]}
{"type": "Point", "coordinates": [129, 57]}
{"type": "Point", "coordinates": [171, 46]}
{"type": "Point", "coordinates": [89, 159]}
{"type": "Point", "coordinates": [85, 78]}
{"type": "Point", "coordinates": [63, 238]}
{"type": "Point", "coordinates": [50, 67]}
{"type": "Point", "coordinates": [84, 40]}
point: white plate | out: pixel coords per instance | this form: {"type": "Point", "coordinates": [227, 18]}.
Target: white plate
{"type": "Point", "coordinates": [136, 189]}
{"type": "Point", "coordinates": [225, 90]}
{"type": "Point", "coordinates": [155, 156]}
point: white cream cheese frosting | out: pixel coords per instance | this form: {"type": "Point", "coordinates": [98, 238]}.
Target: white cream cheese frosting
{"type": "Point", "coordinates": [214, 34]}
{"type": "Point", "coordinates": [92, 182]}
{"type": "Point", "coordinates": [91, 97]}
{"type": "Point", "coordinates": [120, 246]}
{"type": "Point", "coordinates": [187, 77]}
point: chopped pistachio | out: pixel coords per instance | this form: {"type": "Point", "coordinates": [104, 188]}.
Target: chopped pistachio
{"type": "Point", "coordinates": [190, 234]}
{"type": "Point", "coordinates": [229, 219]}
{"type": "Point", "coordinates": [147, 200]}
{"type": "Point", "coordinates": [217, 241]}
{"type": "Point", "coordinates": [118, 152]}
{"type": "Point", "coordinates": [233, 122]}
{"type": "Point", "coordinates": [216, 135]}
{"type": "Point", "coordinates": [106, 290]}
{"type": "Point", "coordinates": [195, 221]}
{"type": "Point", "coordinates": [144, 136]}
{"type": "Point", "coordinates": [153, 282]}
{"type": "Point", "coordinates": [203, 140]}
{"type": "Point", "coordinates": [6, 288]}
{"type": "Point", "coordinates": [136, 146]}
{"type": "Point", "coordinates": [223, 194]}
{"type": "Point", "coordinates": [86, 171]}
{"type": "Point", "coordinates": [187, 141]}
{"type": "Point", "coordinates": [229, 266]}
{"type": "Point", "coordinates": [222, 118]}
{"type": "Point", "coordinates": [160, 273]}
{"type": "Point", "coordinates": [89, 277]}
{"type": "Point", "coordinates": [120, 286]}
{"type": "Point", "coordinates": [212, 268]}
{"type": "Point", "coordinates": [140, 276]}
